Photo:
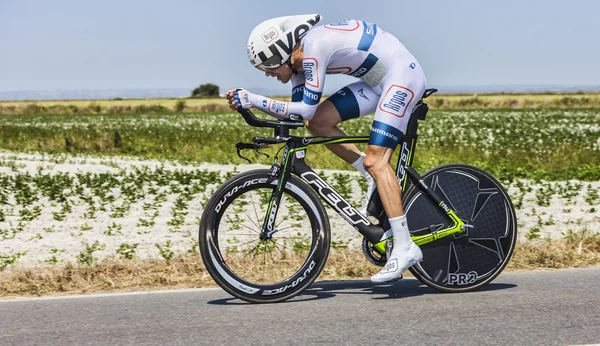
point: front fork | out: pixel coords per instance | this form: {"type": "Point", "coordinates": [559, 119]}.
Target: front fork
{"type": "Point", "coordinates": [457, 224]}
{"type": "Point", "coordinates": [283, 173]}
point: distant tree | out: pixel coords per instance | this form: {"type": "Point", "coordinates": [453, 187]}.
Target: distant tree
{"type": "Point", "coordinates": [206, 90]}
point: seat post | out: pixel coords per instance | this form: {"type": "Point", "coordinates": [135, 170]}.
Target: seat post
{"type": "Point", "coordinates": [419, 113]}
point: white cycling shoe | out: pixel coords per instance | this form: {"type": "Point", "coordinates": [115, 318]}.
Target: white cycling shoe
{"type": "Point", "coordinates": [398, 261]}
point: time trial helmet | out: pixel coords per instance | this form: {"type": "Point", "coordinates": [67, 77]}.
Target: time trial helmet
{"type": "Point", "coordinates": [271, 42]}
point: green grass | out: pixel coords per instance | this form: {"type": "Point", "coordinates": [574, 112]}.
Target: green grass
{"type": "Point", "coordinates": [542, 144]}
{"type": "Point", "coordinates": [438, 101]}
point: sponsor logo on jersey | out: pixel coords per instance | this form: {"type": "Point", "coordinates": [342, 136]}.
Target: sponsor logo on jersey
{"type": "Point", "coordinates": [396, 100]}
{"type": "Point", "coordinates": [311, 73]}
{"type": "Point", "coordinates": [278, 107]}
{"type": "Point", "coordinates": [311, 97]}
{"type": "Point", "coordinates": [366, 66]}
{"type": "Point", "coordinates": [359, 72]}
{"type": "Point", "coordinates": [384, 133]}
{"type": "Point", "coordinates": [270, 35]}
{"type": "Point", "coordinates": [361, 93]}
{"type": "Point", "coordinates": [346, 25]}
{"type": "Point", "coordinates": [297, 93]}
{"type": "Point", "coordinates": [369, 28]}
{"type": "Point", "coordinates": [298, 89]}
{"type": "Point", "coordinates": [246, 100]}
{"type": "Point", "coordinates": [369, 31]}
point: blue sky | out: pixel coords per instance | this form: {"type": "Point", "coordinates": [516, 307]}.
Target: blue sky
{"type": "Point", "coordinates": [68, 44]}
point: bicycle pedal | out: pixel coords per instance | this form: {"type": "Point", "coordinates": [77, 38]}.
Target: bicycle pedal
{"type": "Point", "coordinates": [398, 279]}
{"type": "Point", "coordinates": [391, 281]}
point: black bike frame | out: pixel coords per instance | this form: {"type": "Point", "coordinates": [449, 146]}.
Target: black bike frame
{"type": "Point", "coordinates": [293, 163]}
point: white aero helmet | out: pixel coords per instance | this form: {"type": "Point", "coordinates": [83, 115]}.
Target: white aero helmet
{"type": "Point", "coordinates": [271, 42]}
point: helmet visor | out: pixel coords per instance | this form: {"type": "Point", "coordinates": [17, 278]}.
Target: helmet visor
{"type": "Point", "coordinates": [272, 63]}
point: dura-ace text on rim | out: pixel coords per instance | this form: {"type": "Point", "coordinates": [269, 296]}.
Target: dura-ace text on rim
{"type": "Point", "coordinates": [242, 195]}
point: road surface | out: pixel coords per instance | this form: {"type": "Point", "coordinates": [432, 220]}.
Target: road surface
{"type": "Point", "coordinates": [526, 308]}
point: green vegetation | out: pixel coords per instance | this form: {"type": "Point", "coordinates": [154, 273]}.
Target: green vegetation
{"type": "Point", "coordinates": [206, 90]}
{"type": "Point", "coordinates": [205, 99]}
{"type": "Point", "coordinates": [540, 144]}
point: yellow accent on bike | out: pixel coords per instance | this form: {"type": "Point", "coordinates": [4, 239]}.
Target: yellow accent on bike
{"type": "Point", "coordinates": [433, 236]}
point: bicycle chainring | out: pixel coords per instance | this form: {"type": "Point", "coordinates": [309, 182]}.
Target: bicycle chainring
{"type": "Point", "coordinates": [372, 255]}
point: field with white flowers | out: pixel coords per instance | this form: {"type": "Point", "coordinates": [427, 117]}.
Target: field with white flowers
{"type": "Point", "coordinates": [57, 208]}
{"type": "Point", "coordinates": [77, 189]}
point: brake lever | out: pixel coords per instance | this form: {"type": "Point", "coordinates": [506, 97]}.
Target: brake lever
{"type": "Point", "coordinates": [240, 155]}
{"type": "Point", "coordinates": [260, 152]}
{"type": "Point", "coordinates": [241, 146]}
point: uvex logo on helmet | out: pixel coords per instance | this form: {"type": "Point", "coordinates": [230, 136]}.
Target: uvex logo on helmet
{"type": "Point", "coordinates": [271, 42]}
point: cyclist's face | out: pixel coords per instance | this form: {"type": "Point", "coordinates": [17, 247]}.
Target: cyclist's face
{"type": "Point", "coordinates": [283, 73]}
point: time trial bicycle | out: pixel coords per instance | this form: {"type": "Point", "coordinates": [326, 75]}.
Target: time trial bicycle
{"type": "Point", "coordinates": [265, 234]}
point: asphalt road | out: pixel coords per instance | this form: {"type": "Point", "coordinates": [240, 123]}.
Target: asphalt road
{"type": "Point", "coordinates": [525, 308]}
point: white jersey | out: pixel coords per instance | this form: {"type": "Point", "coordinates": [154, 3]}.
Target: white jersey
{"type": "Point", "coordinates": [365, 51]}
{"type": "Point", "coordinates": [355, 48]}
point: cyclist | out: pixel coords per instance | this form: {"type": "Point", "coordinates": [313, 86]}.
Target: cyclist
{"type": "Point", "coordinates": [390, 83]}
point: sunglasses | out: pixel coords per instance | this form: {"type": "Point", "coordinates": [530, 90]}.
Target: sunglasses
{"type": "Point", "coordinates": [272, 63]}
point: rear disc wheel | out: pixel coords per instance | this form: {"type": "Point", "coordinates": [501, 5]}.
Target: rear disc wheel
{"type": "Point", "coordinates": [468, 260]}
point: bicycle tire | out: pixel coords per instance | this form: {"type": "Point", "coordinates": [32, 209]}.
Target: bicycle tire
{"type": "Point", "coordinates": [216, 260]}
{"type": "Point", "coordinates": [468, 260]}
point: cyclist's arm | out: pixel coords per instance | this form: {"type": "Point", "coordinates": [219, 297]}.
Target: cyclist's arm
{"type": "Point", "coordinates": [297, 86]}
{"type": "Point", "coordinates": [280, 108]}
{"type": "Point", "coordinates": [314, 64]}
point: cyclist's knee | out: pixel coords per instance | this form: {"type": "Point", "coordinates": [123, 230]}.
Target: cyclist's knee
{"type": "Point", "coordinates": [375, 165]}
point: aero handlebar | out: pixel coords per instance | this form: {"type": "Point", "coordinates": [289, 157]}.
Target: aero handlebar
{"type": "Point", "coordinates": [291, 121]}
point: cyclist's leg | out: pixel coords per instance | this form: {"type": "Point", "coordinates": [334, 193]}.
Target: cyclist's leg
{"type": "Point", "coordinates": [350, 102]}
{"type": "Point", "coordinates": [402, 89]}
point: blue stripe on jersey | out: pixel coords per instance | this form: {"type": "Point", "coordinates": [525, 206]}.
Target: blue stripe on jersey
{"type": "Point", "coordinates": [297, 93]}
{"type": "Point", "coordinates": [346, 104]}
{"type": "Point", "coordinates": [366, 66]}
{"type": "Point", "coordinates": [311, 97]}
{"type": "Point", "coordinates": [384, 135]}
{"type": "Point", "coordinates": [368, 36]}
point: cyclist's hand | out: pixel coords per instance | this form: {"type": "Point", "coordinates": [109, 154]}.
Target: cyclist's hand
{"type": "Point", "coordinates": [240, 98]}
{"type": "Point", "coordinates": [229, 97]}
